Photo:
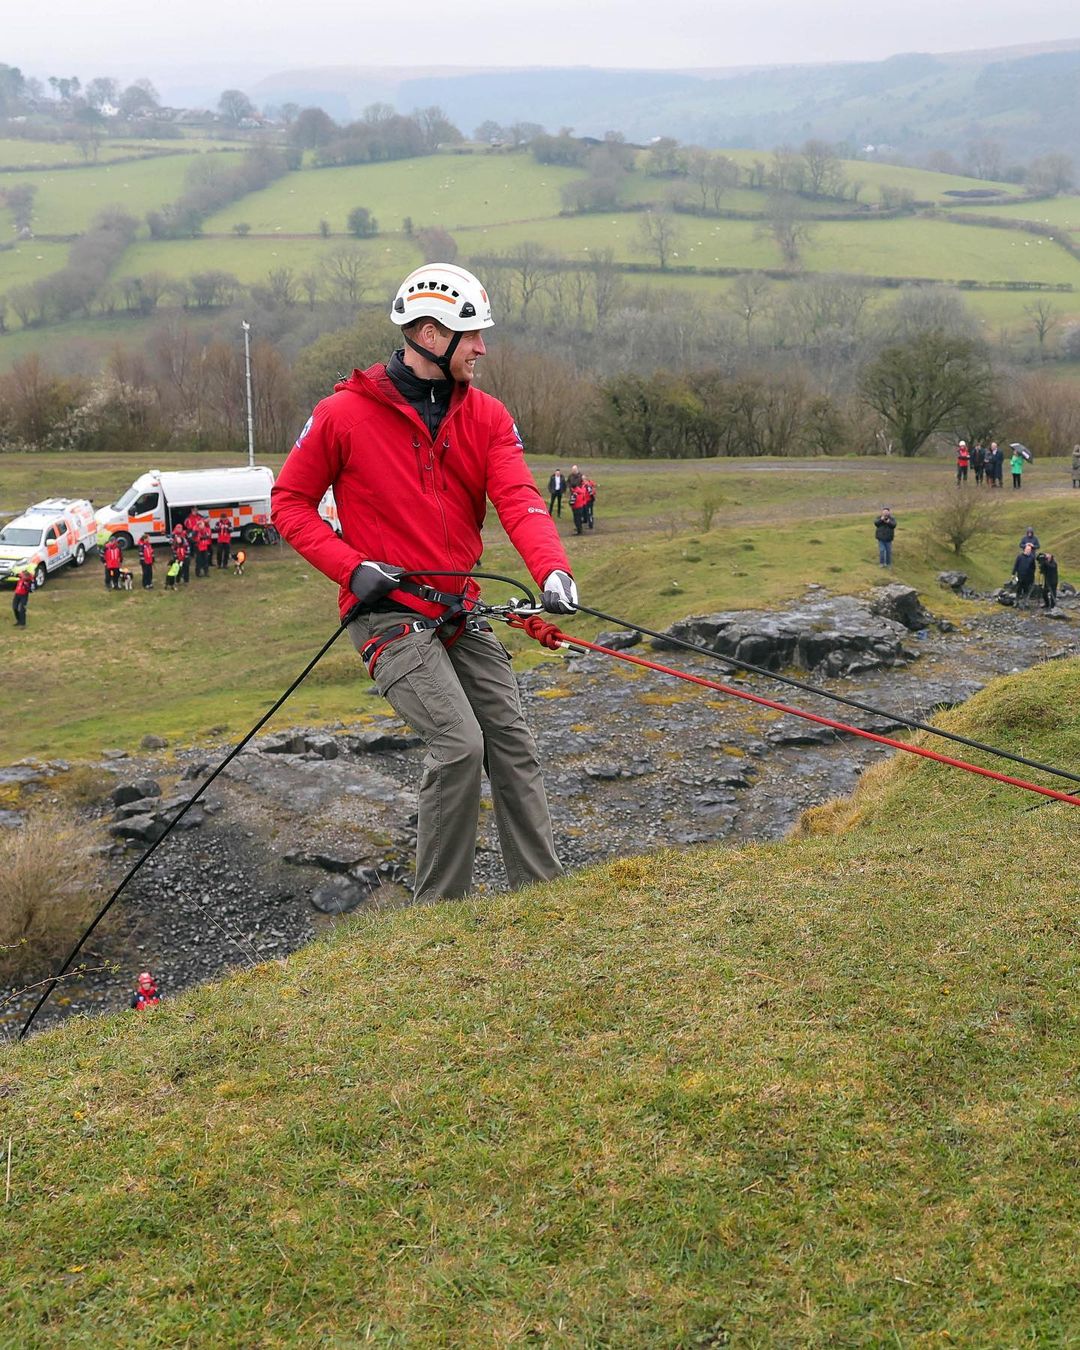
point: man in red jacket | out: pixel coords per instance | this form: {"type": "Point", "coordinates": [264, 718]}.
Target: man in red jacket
{"type": "Point", "coordinates": [413, 451]}
{"type": "Point", "coordinates": [24, 584]}
{"type": "Point", "coordinates": [113, 558]}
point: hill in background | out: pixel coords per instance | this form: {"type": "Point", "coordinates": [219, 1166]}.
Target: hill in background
{"type": "Point", "coordinates": [1027, 101]}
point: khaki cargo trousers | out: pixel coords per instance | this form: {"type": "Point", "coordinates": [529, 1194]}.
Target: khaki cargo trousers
{"type": "Point", "coordinates": [463, 701]}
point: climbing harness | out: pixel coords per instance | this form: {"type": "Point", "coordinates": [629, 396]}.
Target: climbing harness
{"type": "Point", "coordinates": [374, 647]}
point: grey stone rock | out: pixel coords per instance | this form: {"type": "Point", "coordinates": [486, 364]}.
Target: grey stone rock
{"type": "Point", "coordinates": [10, 820]}
{"type": "Point", "coordinates": [825, 635]}
{"type": "Point", "coordinates": [134, 791]}
{"type": "Point", "coordinates": [16, 774]}
{"type": "Point", "coordinates": [618, 641]}
{"type": "Point", "coordinates": [1056, 614]}
{"type": "Point", "coordinates": [901, 604]}
{"type": "Point", "coordinates": [327, 859]}
{"type": "Point", "coordinates": [141, 829]}
{"type": "Point", "coordinates": [953, 581]}
{"type": "Point", "coordinates": [114, 754]}
{"type": "Point", "coordinates": [340, 895]}
{"type": "Point", "coordinates": [151, 742]}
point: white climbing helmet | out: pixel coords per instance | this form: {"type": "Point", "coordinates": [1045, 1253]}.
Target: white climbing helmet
{"type": "Point", "coordinates": [444, 292]}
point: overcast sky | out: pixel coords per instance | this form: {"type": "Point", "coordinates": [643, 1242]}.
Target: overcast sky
{"type": "Point", "coordinates": [255, 37]}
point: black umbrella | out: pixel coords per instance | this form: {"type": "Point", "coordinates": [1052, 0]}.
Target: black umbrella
{"type": "Point", "coordinates": [1024, 451]}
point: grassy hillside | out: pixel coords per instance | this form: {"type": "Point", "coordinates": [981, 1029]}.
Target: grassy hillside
{"type": "Point", "coordinates": [777, 527]}
{"type": "Point", "coordinates": [814, 1093]}
{"type": "Point", "coordinates": [67, 201]}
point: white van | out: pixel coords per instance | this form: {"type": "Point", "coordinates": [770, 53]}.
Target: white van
{"type": "Point", "coordinates": [47, 535]}
{"type": "Point", "coordinates": [156, 501]}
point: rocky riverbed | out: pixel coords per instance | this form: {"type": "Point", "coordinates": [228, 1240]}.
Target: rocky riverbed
{"type": "Point", "coordinates": [307, 824]}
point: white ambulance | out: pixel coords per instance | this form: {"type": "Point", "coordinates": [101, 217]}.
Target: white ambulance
{"type": "Point", "coordinates": [47, 535]}
{"type": "Point", "coordinates": [157, 500]}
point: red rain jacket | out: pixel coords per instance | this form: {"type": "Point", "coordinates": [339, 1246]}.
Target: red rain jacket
{"type": "Point", "coordinates": [404, 498]}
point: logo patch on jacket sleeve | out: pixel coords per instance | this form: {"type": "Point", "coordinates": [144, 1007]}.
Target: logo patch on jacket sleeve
{"type": "Point", "coordinates": [517, 437]}
{"type": "Point", "coordinates": [307, 428]}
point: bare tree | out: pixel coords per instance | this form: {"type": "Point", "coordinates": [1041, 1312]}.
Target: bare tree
{"type": "Point", "coordinates": [530, 266]}
{"type": "Point", "coordinates": [750, 296]}
{"type": "Point", "coordinates": [1043, 317]}
{"type": "Point", "coordinates": [606, 283]}
{"type": "Point", "coordinates": [348, 273]}
{"type": "Point", "coordinates": [788, 226]}
{"type": "Point", "coordinates": [659, 235]}
{"type": "Point", "coordinates": [824, 176]}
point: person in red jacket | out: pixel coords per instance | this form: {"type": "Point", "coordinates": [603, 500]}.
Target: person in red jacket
{"type": "Point", "coordinates": [182, 554]}
{"type": "Point", "coordinates": [24, 584]}
{"type": "Point", "coordinates": [204, 547]}
{"type": "Point", "coordinates": [112, 556]}
{"type": "Point", "coordinates": [963, 460]}
{"type": "Point", "coordinates": [224, 540]}
{"type": "Point", "coordinates": [413, 451]}
{"type": "Point", "coordinates": [146, 557]}
{"type": "Point", "coordinates": [579, 504]}
{"type": "Point", "coordinates": [146, 992]}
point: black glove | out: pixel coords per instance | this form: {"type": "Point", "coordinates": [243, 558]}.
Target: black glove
{"type": "Point", "coordinates": [372, 580]}
{"type": "Point", "coordinates": [560, 594]}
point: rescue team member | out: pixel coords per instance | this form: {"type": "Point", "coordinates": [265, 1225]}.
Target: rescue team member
{"type": "Point", "coordinates": [146, 557]}
{"type": "Point", "coordinates": [24, 584]}
{"type": "Point", "coordinates": [579, 504]}
{"type": "Point", "coordinates": [411, 450]}
{"type": "Point", "coordinates": [204, 546]}
{"type": "Point", "coordinates": [224, 540]}
{"type": "Point", "coordinates": [112, 556]}
{"type": "Point", "coordinates": [182, 555]}
{"type": "Point", "coordinates": [146, 992]}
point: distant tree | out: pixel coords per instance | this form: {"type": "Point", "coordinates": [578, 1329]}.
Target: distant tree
{"type": "Point", "coordinates": [928, 382]}
{"type": "Point", "coordinates": [750, 296]}
{"type": "Point", "coordinates": [786, 222]}
{"type": "Point", "coordinates": [139, 99]}
{"type": "Point", "coordinates": [523, 133]}
{"type": "Point", "coordinates": [659, 236]}
{"type": "Point", "coordinates": [376, 114]}
{"type": "Point", "coordinates": [1051, 173]}
{"type": "Point", "coordinates": [234, 107]}
{"type": "Point", "coordinates": [13, 88]}
{"type": "Point", "coordinates": [823, 172]}
{"type": "Point", "coordinates": [436, 244]}
{"type": "Point", "coordinates": [437, 128]}
{"type": "Point", "coordinates": [788, 170]}
{"type": "Point", "coordinates": [242, 229]}
{"type": "Point", "coordinates": [289, 112]}
{"type": "Point", "coordinates": [985, 158]}
{"type": "Point", "coordinates": [943, 161]}
{"type": "Point", "coordinates": [489, 131]}
{"type": "Point", "coordinates": [529, 267]}
{"type": "Point", "coordinates": [663, 158]}
{"type": "Point", "coordinates": [312, 128]}
{"type": "Point", "coordinates": [895, 198]}
{"type": "Point", "coordinates": [362, 223]}
{"type": "Point", "coordinates": [348, 273]}
{"type": "Point", "coordinates": [324, 228]}
{"type": "Point", "coordinates": [103, 89]}
{"type": "Point", "coordinates": [1043, 317]}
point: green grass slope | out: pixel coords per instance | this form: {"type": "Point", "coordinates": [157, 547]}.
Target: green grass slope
{"type": "Point", "coordinates": [812, 1093]}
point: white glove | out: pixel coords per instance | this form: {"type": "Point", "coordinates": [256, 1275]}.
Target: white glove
{"type": "Point", "coordinates": [560, 594]}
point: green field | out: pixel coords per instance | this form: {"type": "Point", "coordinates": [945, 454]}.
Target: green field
{"type": "Point", "coordinates": [1058, 212]}
{"type": "Point", "coordinates": [29, 261]}
{"type": "Point", "coordinates": [67, 201]}
{"type": "Point", "coordinates": [926, 186]}
{"type": "Point", "coordinates": [445, 190]}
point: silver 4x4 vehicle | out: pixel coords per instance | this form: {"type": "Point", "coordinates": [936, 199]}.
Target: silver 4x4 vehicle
{"type": "Point", "coordinates": [47, 535]}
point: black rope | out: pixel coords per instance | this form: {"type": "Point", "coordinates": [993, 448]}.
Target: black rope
{"type": "Point", "coordinates": [735, 663]}
{"type": "Point", "coordinates": [349, 617]}
{"type": "Point", "coordinates": [179, 817]}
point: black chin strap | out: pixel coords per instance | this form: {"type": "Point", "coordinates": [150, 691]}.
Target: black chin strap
{"type": "Point", "coordinates": [443, 362]}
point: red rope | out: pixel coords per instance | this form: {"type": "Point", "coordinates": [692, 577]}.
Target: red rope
{"type": "Point", "coordinates": [548, 635]}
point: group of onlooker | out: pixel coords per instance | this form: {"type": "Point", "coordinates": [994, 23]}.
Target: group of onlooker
{"type": "Point", "coordinates": [988, 463]}
{"type": "Point", "coordinates": [582, 493]}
